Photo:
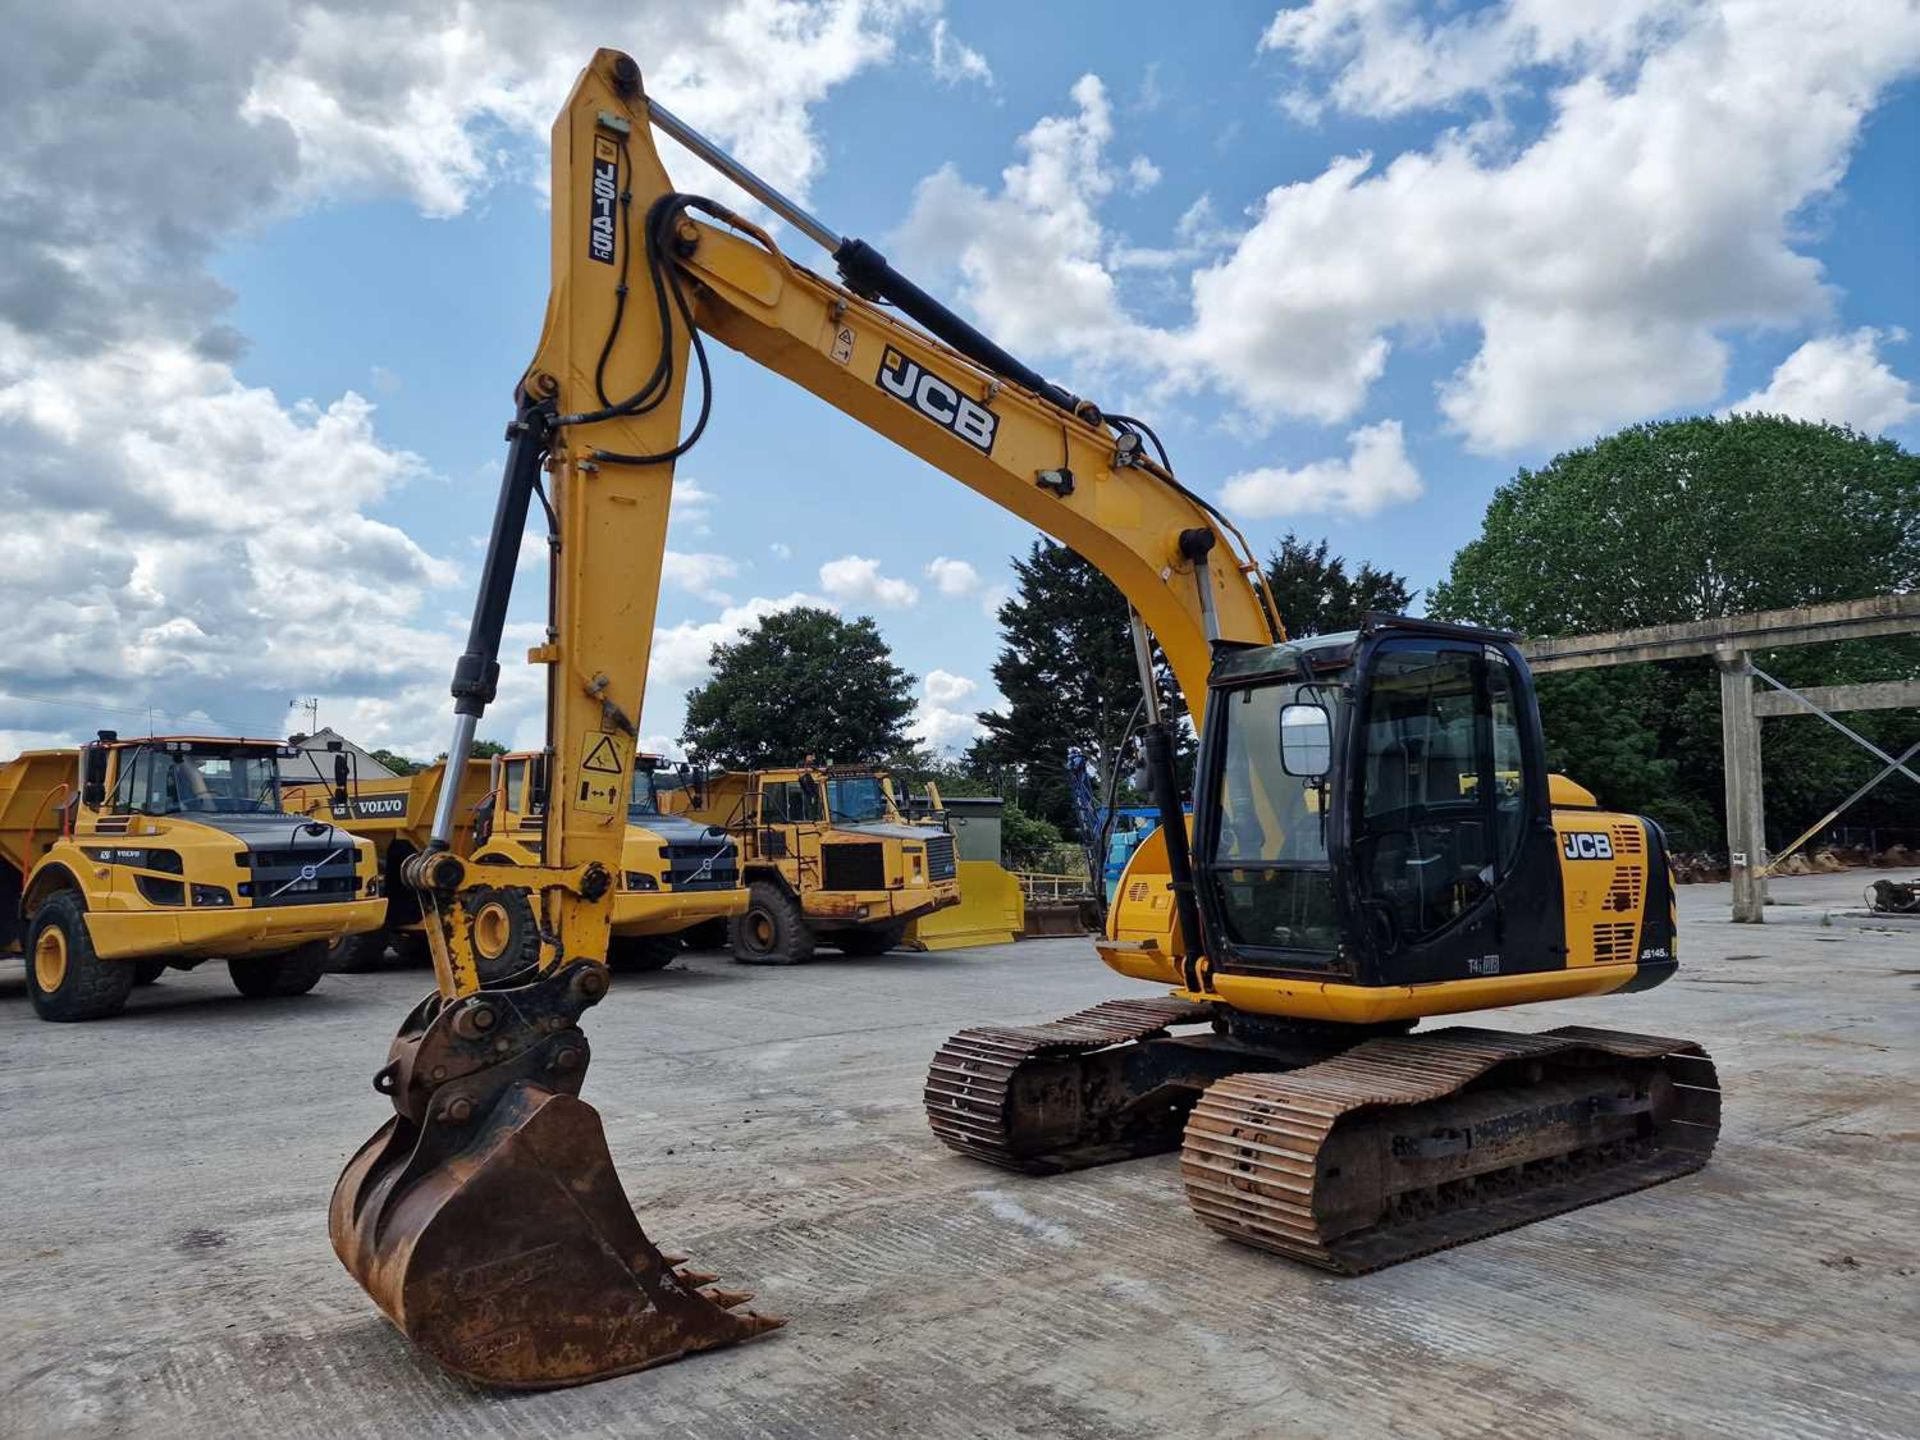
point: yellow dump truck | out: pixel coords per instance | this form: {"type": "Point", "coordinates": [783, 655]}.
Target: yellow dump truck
{"type": "Point", "coordinates": [676, 873]}
{"type": "Point", "coordinates": [394, 813]}
{"type": "Point", "coordinates": [827, 857]}
{"type": "Point", "coordinates": [125, 857]}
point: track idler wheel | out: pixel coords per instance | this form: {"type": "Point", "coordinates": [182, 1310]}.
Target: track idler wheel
{"type": "Point", "coordinates": [486, 1218]}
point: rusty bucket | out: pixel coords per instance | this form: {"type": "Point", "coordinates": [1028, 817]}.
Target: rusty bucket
{"type": "Point", "coordinates": [486, 1219]}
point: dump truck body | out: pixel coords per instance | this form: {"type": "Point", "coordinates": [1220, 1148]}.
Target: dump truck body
{"type": "Point", "coordinates": [169, 851]}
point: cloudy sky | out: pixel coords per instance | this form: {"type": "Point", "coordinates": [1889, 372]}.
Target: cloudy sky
{"type": "Point", "coordinates": [268, 273]}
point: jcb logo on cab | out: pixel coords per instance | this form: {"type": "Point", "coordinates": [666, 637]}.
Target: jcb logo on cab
{"type": "Point", "coordinates": [1586, 845]}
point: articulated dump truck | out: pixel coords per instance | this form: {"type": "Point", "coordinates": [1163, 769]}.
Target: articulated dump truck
{"type": "Point", "coordinates": [395, 814]}
{"type": "Point", "coordinates": [676, 873]}
{"type": "Point", "coordinates": [125, 857]}
{"type": "Point", "coordinates": [828, 858]}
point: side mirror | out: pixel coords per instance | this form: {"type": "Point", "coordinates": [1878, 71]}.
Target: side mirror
{"type": "Point", "coordinates": [93, 787]}
{"type": "Point", "coordinates": [341, 778]}
{"type": "Point", "coordinates": [1306, 740]}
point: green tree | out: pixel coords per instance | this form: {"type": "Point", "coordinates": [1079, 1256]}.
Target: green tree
{"type": "Point", "coordinates": [1317, 596]}
{"type": "Point", "coordinates": [397, 763]}
{"type": "Point", "coordinates": [482, 750]}
{"type": "Point", "coordinates": [1686, 520]}
{"type": "Point", "coordinates": [1068, 674]}
{"type": "Point", "coordinates": [801, 682]}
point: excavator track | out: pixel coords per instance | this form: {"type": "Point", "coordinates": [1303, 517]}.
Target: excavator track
{"type": "Point", "coordinates": [1403, 1146]}
{"type": "Point", "coordinates": [1108, 1083]}
{"type": "Point", "coordinates": [982, 1101]}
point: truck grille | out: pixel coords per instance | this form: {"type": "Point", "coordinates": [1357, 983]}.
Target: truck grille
{"type": "Point", "coordinates": [853, 867]}
{"type": "Point", "coordinates": [703, 867]}
{"type": "Point", "coordinates": [300, 875]}
{"type": "Point", "coordinates": [940, 864]}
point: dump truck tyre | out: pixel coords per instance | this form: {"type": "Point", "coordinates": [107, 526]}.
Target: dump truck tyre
{"type": "Point", "coordinates": [351, 954]}
{"type": "Point", "coordinates": [633, 954]}
{"type": "Point", "coordinates": [873, 940]}
{"type": "Point", "coordinates": [506, 932]}
{"type": "Point", "coordinates": [773, 931]}
{"type": "Point", "coordinates": [65, 978]}
{"type": "Point", "coordinates": [707, 935]}
{"type": "Point", "coordinates": [145, 972]}
{"type": "Point", "coordinates": [279, 977]}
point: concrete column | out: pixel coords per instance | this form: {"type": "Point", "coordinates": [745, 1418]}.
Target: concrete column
{"type": "Point", "coordinates": [1746, 814]}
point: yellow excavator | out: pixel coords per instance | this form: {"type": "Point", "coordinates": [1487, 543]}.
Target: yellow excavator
{"type": "Point", "coordinates": [1375, 838]}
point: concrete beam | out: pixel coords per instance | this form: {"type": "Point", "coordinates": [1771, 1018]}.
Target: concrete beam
{"type": "Point", "coordinates": [1746, 804]}
{"type": "Point", "coordinates": [1876, 695]}
{"type": "Point", "coordinates": [1762, 630]}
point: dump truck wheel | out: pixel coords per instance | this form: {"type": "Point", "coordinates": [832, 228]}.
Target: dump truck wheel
{"type": "Point", "coordinates": [873, 940]}
{"type": "Point", "coordinates": [634, 953]}
{"type": "Point", "coordinates": [506, 934]}
{"type": "Point", "coordinates": [278, 977]}
{"type": "Point", "coordinates": [352, 953]}
{"type": "Point", "coordinates": [773, 931]}
{"type": "Point", "coordinates": [65, 978]}
{"type": "Point", "coordinates": [412, 950]}
{"type": "Point", "coordinates": [707, 935]}
{"type": "Point", "coordinates": [145, 972]}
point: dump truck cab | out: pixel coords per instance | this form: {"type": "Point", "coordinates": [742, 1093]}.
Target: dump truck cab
{"type": "Point", "coordinates": [130, 856]}
{"type": "Point", "coordinates": [676, 873]}
{"type": "Point", "coordinates": [828, 858]}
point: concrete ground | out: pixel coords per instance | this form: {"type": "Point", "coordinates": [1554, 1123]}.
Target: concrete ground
{"type": "Point", "coordinates": [164, 1267]}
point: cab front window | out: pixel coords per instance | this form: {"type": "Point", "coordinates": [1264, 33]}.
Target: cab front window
{"type": "Point", "coordinates": [1268, 863]}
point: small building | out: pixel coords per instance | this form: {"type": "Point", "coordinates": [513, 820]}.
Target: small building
{"type": "Point", "coordinates": [975, 821]}
{"type": "Point", "coordinates": [318, 747]}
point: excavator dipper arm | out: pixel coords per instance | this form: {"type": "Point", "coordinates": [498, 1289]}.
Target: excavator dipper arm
{"type": "Point", "coordinates": [485, 1218]}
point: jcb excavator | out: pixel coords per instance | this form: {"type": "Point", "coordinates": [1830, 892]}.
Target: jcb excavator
{"type": "Point", "coordinates": [1374, 839]}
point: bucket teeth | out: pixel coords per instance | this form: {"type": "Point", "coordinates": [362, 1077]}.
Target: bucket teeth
{"type": "Point", "coordinates": [727, 1299]}
{"type": "Point", "coordinates": [673, 1262]}
{"type": "Point", "coordinates": [694, 1279]}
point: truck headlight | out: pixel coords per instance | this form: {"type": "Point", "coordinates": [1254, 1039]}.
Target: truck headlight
{"type": "Point", "coordinates": [212, 895]}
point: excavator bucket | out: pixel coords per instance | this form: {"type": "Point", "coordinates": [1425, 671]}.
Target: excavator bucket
{"type": "Point", "coordinates": [492, 1229]}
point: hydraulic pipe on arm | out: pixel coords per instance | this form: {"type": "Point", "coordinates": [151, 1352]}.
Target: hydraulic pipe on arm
{"type": "Point", "coordinates": [486, 1218]}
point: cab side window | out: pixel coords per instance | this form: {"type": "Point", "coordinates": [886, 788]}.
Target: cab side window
{"type": "Point", "coordinates": [515, 785]}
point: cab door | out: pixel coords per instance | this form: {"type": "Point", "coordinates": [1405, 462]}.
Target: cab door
{"type": "Point", "coordinates": [1450, 847]}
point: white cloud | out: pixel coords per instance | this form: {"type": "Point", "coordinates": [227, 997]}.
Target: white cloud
{"type": "Point", "coordinates": [781, 549]}
{"type": "Point", "coordinates": [940, 722]}
{"type": "Point", "coordinates": [1841, 379]}
{"type": "Point", "coordinates": [689, 508]}
{"type": "Point", "coordinates": [699, 574]}
{"type": "Point", "coordinates": [943, 687]}
{"type": "Point", "coordinates": [952, 577]}
{"type": "Point", "coordinates": [1051, 292]}
{"type": "Point", "coordinates": [954, 60]}
{"type": "Point", "coordinates": [1600, 257]}
{"type": "Point", "coordinates": [1142, 175]}
{"type": "Point", "coordinates": [1375, 474]}
{"type": "Point", "coordinates": [856, 580]}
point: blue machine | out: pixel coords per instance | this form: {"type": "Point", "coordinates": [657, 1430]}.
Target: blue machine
{"type": "Point", "coordinates": [1107, 836]}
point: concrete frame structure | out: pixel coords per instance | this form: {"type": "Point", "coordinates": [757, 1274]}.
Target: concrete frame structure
{"type": "Point", "coordinates": [1731, 641]}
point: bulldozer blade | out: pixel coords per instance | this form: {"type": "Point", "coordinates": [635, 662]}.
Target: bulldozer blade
{"type": "Point", "coordinates": [512, 1256]}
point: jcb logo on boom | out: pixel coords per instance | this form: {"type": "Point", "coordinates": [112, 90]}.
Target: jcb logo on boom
{"type": "Point", "coordinates": [939, 401]}
{"type": "Point", "coordinates": [1586, 845]}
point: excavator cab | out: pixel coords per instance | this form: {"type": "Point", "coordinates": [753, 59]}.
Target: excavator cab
{"type": "Point", "coordinates": [1406, 760]}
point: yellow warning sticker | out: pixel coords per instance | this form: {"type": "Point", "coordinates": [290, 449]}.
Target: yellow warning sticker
{"type": "Point", "coordinates": [602, 760]}
{"type": "Point", "coordinates": [843, 338]}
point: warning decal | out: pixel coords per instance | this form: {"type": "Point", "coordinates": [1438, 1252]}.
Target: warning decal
{"type": "Point", "coordinates": [843, 338]}
{"type": "Point", "coordinates": [602, 760]}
